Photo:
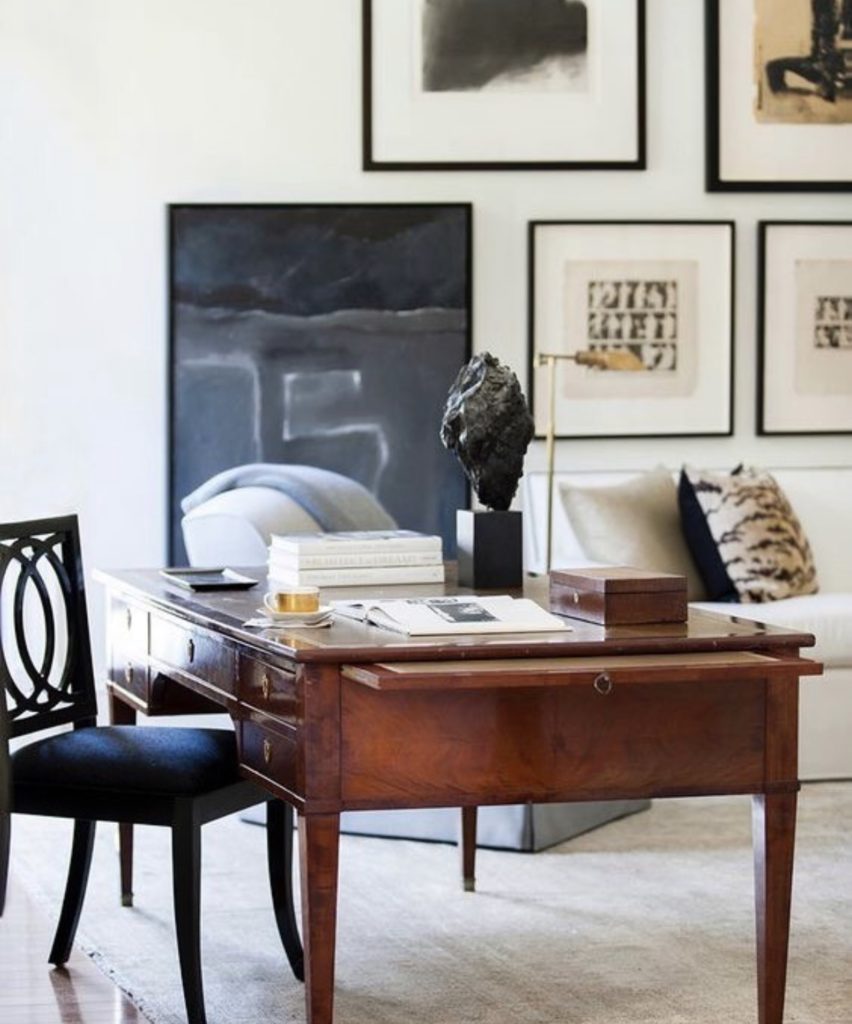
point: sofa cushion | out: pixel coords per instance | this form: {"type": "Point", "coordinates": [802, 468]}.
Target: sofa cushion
{"type": "Point", "coordinates": [636, 523]}
{"type": "Point", "coordinates": [745, 536]}
{"type": "Point", "coordinates": [827, 616]}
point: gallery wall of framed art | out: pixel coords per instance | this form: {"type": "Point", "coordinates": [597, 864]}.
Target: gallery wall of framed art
{"type": "Point", "coordinates": [266, 107]}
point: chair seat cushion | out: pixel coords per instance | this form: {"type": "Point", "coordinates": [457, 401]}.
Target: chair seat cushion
{"type": "Point", "coordinates": [143, 759]}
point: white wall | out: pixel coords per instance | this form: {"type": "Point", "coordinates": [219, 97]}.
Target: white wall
{"type": "Point", "coordinates": [110, 109]}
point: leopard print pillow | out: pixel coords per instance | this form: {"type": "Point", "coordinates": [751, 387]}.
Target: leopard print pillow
{"type": "Point", "coordinates": [745, 536]}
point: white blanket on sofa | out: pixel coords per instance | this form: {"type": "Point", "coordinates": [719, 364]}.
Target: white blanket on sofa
{"type": "Point", "coordinates": [334, 501]}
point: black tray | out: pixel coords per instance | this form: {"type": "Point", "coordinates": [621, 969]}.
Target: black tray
{"type": "Point", "coordinates": [217, 578]}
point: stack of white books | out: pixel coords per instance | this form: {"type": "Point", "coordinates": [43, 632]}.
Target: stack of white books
{"type": "Point", "coordinates": [357, 557]}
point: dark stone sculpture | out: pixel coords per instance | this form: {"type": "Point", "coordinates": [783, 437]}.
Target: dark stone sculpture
{"type": "Point", "coordinates": [489, 427]}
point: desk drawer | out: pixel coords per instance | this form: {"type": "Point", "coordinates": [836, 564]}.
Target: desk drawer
{"type": "Point", "coordinates": [608, 736]}
{"type": "Point", "coordinates": [269, 688]}
{"type": "Point", "coordinates": [128, 661]}
{"type": "Point", "coordinates": [129, 627]}
{"type": "Point", "coordinates": [270, 753]}
{"type": "Point", "coordinates": [194, 653]}
{"type": "Point", "coordinates": [517, 730]}
{"type": "Point", "coordinates": [130, 676]}
{"type": "Point", "coordinates": [604, 673]}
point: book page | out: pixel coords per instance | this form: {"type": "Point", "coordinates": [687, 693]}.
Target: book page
{"type": "Point", "coordinates": [448, 615]}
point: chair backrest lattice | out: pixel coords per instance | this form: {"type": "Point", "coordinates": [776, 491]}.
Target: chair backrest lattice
{"type": "Point", "coordinates": [45, 652]}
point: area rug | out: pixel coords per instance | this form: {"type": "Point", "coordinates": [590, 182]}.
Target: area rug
{"type": "Point", "coordinates": [648, 920]}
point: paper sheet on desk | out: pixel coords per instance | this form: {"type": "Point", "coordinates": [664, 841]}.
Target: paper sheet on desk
{"type": "Point", "coordinates": [440, 616]}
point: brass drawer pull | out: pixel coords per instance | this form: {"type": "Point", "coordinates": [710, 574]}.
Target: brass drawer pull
{"type": "Point", "coordinates": [265, 686]}
{"type": "Point", "coordinates": [128, 674]}
{"type": "Point", "coordinates": [603, 684]}
{"type": "Point", "coordinates": [190, 650]}
{"type": "Point", "coordinates": [267, 751]}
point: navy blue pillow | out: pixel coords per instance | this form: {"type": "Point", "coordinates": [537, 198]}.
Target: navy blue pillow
{"type": "Point", "coordinates": [700, 540]}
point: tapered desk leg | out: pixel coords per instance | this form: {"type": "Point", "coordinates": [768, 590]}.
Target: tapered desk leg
{"type": "Point", "coordinates": [467, 845]}
{"type": "Point", "coordinates": [774, 832]}
{"type": "Point", "coordinates": [319, 842]}
{"type": "Point", "coordinates": [122, 714]}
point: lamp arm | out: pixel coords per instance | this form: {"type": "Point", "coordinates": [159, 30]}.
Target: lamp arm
{"type": "Point", "coordinates": [609, 360]}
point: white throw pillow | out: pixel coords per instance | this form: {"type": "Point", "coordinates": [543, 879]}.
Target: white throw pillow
{"type": "Point", "coordinates": [636, 523]}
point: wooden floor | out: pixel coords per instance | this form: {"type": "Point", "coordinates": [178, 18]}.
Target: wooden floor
{"type": "Point", "coordinates": [33, 992]}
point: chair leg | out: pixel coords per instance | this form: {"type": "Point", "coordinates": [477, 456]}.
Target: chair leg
{"type": "Point", "coordinates": [123, 714]}
{"type": "Point", "coordinates": [75, 891]}
{"type": "Point", "coordinates": [186, 869]}
{"type": "Point", "coordinates": [125, 859]}
{"type": "Point", "coordinates": [279, 846]}
{"type": "Point", "coordinates": [5, 840]}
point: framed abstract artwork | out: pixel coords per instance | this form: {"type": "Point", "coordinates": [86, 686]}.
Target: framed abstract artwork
{"type": "Point", "coordinates": [805, 327]}
{"type": "Point", "coordinates": [779, 95]}
{"type": "Point", "coordinates": [320, 334]}
{"type": "Point", "coordinates": [648, 308]}
{"type": "Point", "coordinates": [503, 84]}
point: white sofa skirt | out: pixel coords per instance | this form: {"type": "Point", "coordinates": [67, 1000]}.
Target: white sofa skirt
{"type": "Point", "coordinates": [522, 827]}
{"type": "Point", "coordinates": [526, 827]}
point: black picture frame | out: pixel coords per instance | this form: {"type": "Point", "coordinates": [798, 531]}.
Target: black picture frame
{"type": "Point", "coordinates": [635, 161]}
{"type": "Point", "coordinates": [716, 177]}
{"type": "Point", "coordinates": [380, 294]}
{"type": "Point", "coordinates": [787, 397]}
{"type": "Point", "coordinates": [712, 342]}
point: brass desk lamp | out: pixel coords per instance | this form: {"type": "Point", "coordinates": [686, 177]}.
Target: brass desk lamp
{"type": "Point", "coordinates": [611, 360]}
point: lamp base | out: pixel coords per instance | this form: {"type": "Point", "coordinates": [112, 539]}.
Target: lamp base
{"type": "Point", "coordinates": [490, 549]}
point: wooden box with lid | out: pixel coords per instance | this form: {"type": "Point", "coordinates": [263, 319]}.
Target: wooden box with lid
{"type": "Point", "coordinates": [618, 595]}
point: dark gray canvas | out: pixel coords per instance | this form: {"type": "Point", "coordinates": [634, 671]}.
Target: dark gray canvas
{"type": "Point", "coordinates": [326, 335]}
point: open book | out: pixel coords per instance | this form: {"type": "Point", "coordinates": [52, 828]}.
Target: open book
{"type": "Point", "coordinates": [428, 616]}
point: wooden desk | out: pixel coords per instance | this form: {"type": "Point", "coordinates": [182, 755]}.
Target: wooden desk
{"type": "Point", "coordinates": [354, 717]}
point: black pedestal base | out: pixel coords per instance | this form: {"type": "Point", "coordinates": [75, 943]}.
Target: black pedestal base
{"type": "Point", "coordinates": [490, 549]}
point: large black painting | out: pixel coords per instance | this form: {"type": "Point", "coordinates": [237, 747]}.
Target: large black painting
{"type": "Point", "coordinates": [325, 335]}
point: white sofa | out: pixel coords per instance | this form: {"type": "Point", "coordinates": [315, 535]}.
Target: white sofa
{"type": "Point", "coordinates": [822, 499]}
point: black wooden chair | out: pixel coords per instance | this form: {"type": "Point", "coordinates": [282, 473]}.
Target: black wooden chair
{"type": "Point", "coordinates": [178, 777]}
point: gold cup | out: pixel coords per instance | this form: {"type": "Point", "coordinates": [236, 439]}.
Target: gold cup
{"type": "Point", "coordinates": [294, 599]}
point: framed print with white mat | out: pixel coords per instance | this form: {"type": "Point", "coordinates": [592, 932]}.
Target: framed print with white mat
{"type": "Point", "coordinates": [503, 84]}
{"type": "Point", "coordinates": [779, 95]}
{"type": "Point", "coordinates": [804, 327]}
{"type": "Point", "coordinates": [651, 302]}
